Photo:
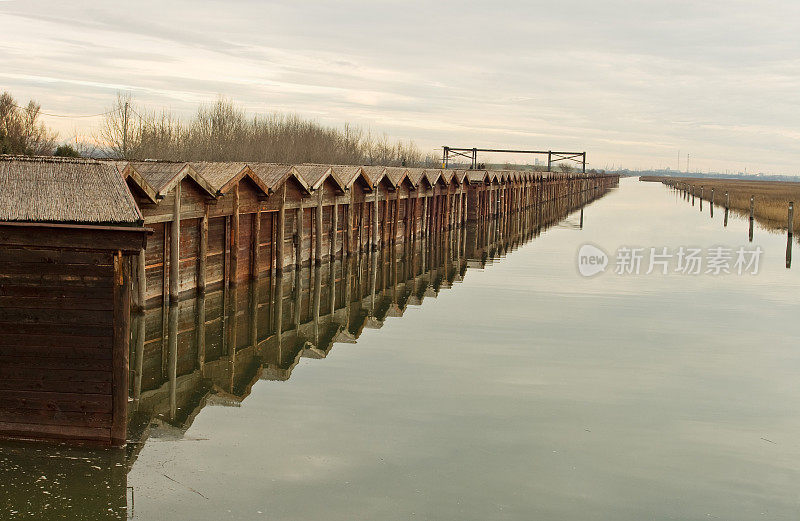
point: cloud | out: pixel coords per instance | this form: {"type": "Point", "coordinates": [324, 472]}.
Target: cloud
{"type": "Point", "coordinates": [631, 83]}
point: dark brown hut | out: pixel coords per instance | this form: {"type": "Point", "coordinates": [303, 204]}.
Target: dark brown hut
{"type": "Point", "coordinates": [67, 231]}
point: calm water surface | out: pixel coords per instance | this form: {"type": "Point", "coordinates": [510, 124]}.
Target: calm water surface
{"type": "Point", "coordinates": [525, 392]}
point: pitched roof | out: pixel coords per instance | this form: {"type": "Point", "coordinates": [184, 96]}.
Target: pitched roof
{"type": "Point", "coordinates": [376, 174]}
{"type": "Point", "coordinates": [156, 178]}
{"type": "Point", "coordinates": [47, 189]}
{"type": "Point", "coordinates": [477, 176]}
{"type": "Point", "coordinates": [432, 175]}
{"type": "Point", "coordinates": [415, 175]}
{"type": "Point", "coordinates": [460, 175]}
{"type": "Point", "coordinates": [223, 176]}
{"type": "Point", "coordinates": [348, 174]}
{"type": "Point", "coordinates": [396, 174]}
{"type": "Point", "coordinates": [273, 175]}
{"type": "Point", "coordinates": [316, 175]}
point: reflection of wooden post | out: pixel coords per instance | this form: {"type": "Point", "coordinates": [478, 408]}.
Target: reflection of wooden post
{"type": "Point", "coordinates": [317, 301]}
{"type": "Point", "coordinates": [253, 294]}
{"type": "Point", "coordinates": [172, 371]}
{"type": "Point", "coordinates": [278, 325]}
{"type": "Point", "coordinates": [138, 357]}
{"type": "Point", "coordinates": [232, 335]}
{"type": "Point", "coordinates": [298, 297]}
{"type": "Point", "coordinates": [201, 330]}
{"type": "Point", "coordinates": [174, 251]}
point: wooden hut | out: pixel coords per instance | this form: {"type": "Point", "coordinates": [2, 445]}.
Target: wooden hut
{"type": "Point", "coordinates": [67, 231]}
{"type": "Point", "coordinates": [173, 199]}
{"type": "Point", "coordinates": [234, 221]}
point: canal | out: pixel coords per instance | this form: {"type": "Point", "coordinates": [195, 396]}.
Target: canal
{"type": "Point", "coordinates": [512, 387]}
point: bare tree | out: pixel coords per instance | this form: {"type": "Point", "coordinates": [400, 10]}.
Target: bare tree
{"type": "Point", "coordinates": [21, 132]}
{"type": "Point", "coordinates": [119, 131]}
{"type": "Point", "coordinates": [222, 132]}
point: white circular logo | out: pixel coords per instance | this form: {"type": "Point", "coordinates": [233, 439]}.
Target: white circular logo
{"type": "Point", "coordinates": [591, 260]}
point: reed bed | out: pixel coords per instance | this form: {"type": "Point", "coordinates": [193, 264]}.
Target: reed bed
{"type": "Point", "coordinates": [771, 198]}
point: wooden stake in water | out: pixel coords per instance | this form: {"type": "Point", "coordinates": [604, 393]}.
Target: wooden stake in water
{"type": "Point", "coordinates": [752, 208]}
{"type": "Point", "coordinates": [711, 206]}
{"type": "Point", "coordinates": [790, 225]}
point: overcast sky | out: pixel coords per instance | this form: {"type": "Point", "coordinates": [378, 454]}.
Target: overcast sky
{"type": "Point", "coordinates": [631, 82]}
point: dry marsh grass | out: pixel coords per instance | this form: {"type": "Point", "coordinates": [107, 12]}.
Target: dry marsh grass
{"type": "Point", "coordinates": [771, 198]}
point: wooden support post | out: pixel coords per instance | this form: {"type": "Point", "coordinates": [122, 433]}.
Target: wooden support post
{"type": "Point", "coordinates": [203, 253]}
{"type": "Point", "coordinates": [396, 219]}
{"type": "Point", "coordinates": [318, 229]}
{"type": "Point", "coordinates": [752, 215]}
{"type": "Point", "coordinates": [375, 219]}
{"type": "Point", "coordinates": [255, 240]}
{"type": "Point", "coordinates": [141, 279]}
{"type": "Point", "coordinates": [349, 232]}
{"type": "Point", "coordinates": [334, 229]}
{"type": "Point", "coordinates": [120, 351]}
{"type": "Point", "coordinates": [790, 223]}
{"type": "Point", "coordinates": [174, 251]}
{"type": "Point", "coordinates": [235, 235]}
{"type": "Point", "coordinates": [299, 229]}
{"type": "Point", "coordinates": [280, 239]}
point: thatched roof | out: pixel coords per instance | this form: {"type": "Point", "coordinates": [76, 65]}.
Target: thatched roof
{"type": "Point", "coordinates": [64, 191]}
{"type": "Point", "coordinates": [432, 175]}
{"type": "Point", "coordinates": [459, 175]}
{"type": "Point", "coordinates": [273, 175]}
{"type": "Point", "coordinates": [415, 175]}
{"type": "Point", "coordinates": [477, 176]}
{"type": "Point", "coordinates": [396, 174]}
{"type": "Point", "coordinates": [316, 175]}
{"type": "Point", "coordinates": [224, 176]}
{"type": "Point", "coordinates": [349, 174]}
{"type": "Point", "coordinates": [157, 178]}
{"type": "Point", "coordinates": [375, 174]}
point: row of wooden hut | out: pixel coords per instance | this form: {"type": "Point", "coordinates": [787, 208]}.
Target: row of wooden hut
{"type": "Point", "coordinates": [212, 348]}
{"type": "Point", "coordinates": [217, 223]}
{"type": "Point", "coordinates": [80, 239]}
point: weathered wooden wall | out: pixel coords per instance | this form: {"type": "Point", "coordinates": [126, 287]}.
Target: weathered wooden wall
{"type": "Point", "coordinates": [64, 315]}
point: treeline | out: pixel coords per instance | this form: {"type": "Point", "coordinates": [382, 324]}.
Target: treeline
{"type": "Point", "coordinates": [221, 131]}
{"type": "Point", "coordinates": [224, 132]}
{"type": "Point", "coordinates": [21, 131]}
